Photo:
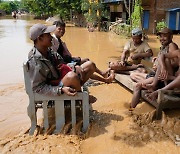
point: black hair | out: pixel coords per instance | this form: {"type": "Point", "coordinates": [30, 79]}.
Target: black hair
{"type": "Point", "coordinates": [59, 23]}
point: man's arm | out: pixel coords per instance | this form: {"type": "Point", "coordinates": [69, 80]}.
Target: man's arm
{"type": "Point", "coordinates": [173, 46]}
{"type": "Point", "coordinates": [169, 55]}
{"type": "Point", "coordinates": [147, 54]}
{"type": "Point", "coordinates": [123, 56]}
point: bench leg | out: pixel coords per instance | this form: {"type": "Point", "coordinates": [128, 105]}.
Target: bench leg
{"type": "Point", "coordinates": [158, 112]}
{"type": "Point", "coordinates": [159, 107]}
{"type": "Point", "coordinates": [85, 104]}
{"type": "Point", "coordinates": [31, 110]}
{"type": "Point", "coordinates": [73, 112]}
{"type": "Point", "coordinates": [45, 113]}
{"type": "Point", "coordinates": [60, 118]}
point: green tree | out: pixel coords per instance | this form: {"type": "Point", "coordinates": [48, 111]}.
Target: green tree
{"type": "Point", "coordinates": [38, 7]}
{"type": "Point", "coordinates": [91, 16]}
{"type": "Point", "coordinates": [136, 16]}
{"type": "Point", "coordinates": [8, 7]}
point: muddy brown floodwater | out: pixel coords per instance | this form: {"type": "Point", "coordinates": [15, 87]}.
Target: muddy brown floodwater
{"type": "Point", "coordinates": [113, 129]}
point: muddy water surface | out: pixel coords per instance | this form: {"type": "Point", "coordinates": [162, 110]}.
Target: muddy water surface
{"type": "Point", "coordinates": [113, 129]}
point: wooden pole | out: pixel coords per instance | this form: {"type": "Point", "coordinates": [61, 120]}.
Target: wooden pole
{"type": "Point", "coordinates": [155, 14]}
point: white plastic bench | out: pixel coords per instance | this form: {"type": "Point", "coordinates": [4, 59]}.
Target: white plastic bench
{"type": "Point", "coordinates": [59, 106]}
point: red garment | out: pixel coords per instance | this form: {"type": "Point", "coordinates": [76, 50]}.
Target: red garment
{"type": "Point", "coordinates": [63, 69]}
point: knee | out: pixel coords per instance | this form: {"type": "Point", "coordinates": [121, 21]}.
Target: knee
{"type": "Point", "coordinates": [112, 65]}
{"type": "Point", "coordinates": [86, 59]}
{"type": "Point", "coordinates": [92, 65]}
{"type": "Point", "coordinates": [71, 76]}
{"type": "Point", "coordinates": [133, 76]}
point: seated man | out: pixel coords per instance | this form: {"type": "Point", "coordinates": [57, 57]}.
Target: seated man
{"type": "Point", "coordinates": [59, 46]}
{"type": "Point", "coordinates": [164, 73]}
{"type": "Point", "coordinates": [43, 67]}
{"type": "Point", "coordinates": [134, 51]}
{"type": "Point", "coordinates": [145, 80]}
{"type": "Point", "coordinates": [168, 46]}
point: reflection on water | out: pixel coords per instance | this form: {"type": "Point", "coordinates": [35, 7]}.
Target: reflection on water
{"type": "Point", "coordinates": [13, 49]}
{"type": "Point", "coordinates": [100, 47]}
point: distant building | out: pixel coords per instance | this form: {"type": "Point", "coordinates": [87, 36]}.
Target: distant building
{"type": "Point", "coordinates": [153, 12]}
{"type": "Point", "coordinates": [117, 10]}
{"type": "Point", "coordinates": [158, 10]}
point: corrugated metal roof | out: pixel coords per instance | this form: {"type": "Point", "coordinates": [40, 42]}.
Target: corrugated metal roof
{"type": "Point", "coordinates": [174, 9]}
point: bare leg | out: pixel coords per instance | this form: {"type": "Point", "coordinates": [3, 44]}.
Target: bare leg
{"type": "Point", "coordinates": [106, 80]}
{"type": "Point", "coordinates": [104, 74]}
{"type": "Point", "coordinates": [153, 86]}
{"type": "Point", "coordinates": [72, 80]}
{"type": "Point", "coordinates": [118, 67]}
{"type": "Point", "coordinates": [172, 85]}
{"type": "Point", "coordinates": [136, 95]}
{"type": "Point", "coordinates": [137, 91]}
{"type": "Point", "coordinates": [137, 76]}
{"type": "Point", "coordinates": [89, 68]}
{"type": "Point", "coordinates": [83, 60]}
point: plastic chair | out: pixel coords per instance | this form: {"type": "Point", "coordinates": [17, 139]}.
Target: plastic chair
{"type": "Point", "coordinates": [34, 98]}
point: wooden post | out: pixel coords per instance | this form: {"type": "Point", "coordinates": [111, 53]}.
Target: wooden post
{"type": "Point", "coordinates": [155, 14]}
{"type": "Point", "coordinates": [90, 1]}
{"type": "Point", "coordinates": [98, 16]}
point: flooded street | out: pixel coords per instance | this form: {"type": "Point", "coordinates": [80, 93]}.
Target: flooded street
{"type": "Point", "coordinates": [112, 130]}
{"type": "Point", "coordinates": [100, 47]}
{"type": "Point", "coordinates": [15, 45]}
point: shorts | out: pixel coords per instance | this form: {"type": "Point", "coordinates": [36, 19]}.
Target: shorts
{"type": "Point", "coordinates": [151, 74]}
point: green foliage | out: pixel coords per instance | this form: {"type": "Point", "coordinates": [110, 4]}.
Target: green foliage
{"type": "Point", "coordinates": [137, 14]}
{"type": "Point", "coordinates": [8, 7]}
{"type": "Point", "coordinates": [51, 7]}
{"type": "Point", "coordinates": [93, 7]}
{"type": "Point", "coordinates": [122, 29]}
{"type": "Point", "coordinates": [38, 7]}
{"type": "Point", "coordinates": [160, 25]}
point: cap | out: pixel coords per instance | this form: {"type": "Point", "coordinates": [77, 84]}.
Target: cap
{"type": "Point", "coordinates": [136, 32]}
{"type": "Point", "coordinates": [39, 29]}
{"type": "Point", "coordinates": [165, 31]}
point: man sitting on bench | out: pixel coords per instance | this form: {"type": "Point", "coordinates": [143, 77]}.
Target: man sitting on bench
{"type": "Point", "coordinates": [164, 73]}
{"type": "Point", "coordinates": [134, 51]}
{"type": "Point", "coordinates": [146, 82]}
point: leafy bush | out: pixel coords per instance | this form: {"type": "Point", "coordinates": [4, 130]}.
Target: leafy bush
{"type": "Point", "coordinates": [160, 25]}
{"type": "Point", "coordinates": [122, 29]}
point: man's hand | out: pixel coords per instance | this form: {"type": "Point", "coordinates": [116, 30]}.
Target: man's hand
{"type": "Point", "coordinates": [122, 63]}
{"type": "Point", "coordinates": [80, 72]}
{"type": "Point", "coordinates": [136, 56]}
{"type": "Point", "coordinates": [163, 74]}
{"type": "Point", "coordinates": [69, 91]}
{"type": "Point", "coordinates": [154, 59]}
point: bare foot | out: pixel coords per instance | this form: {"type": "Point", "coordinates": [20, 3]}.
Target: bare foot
{"type": "Point", "coordinates": [150, 87]}
{"type": "Point", "coordinates": [141, 70]}
{"type": "Point", "coordinates": [152, 96]}
{"type": "Point", "coordinates": [106, 74]}
{"type": "Point", "coordinates": [111, 77]}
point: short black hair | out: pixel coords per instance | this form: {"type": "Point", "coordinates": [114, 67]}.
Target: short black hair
{"type": "Point", "coordinates": [59, 23]}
